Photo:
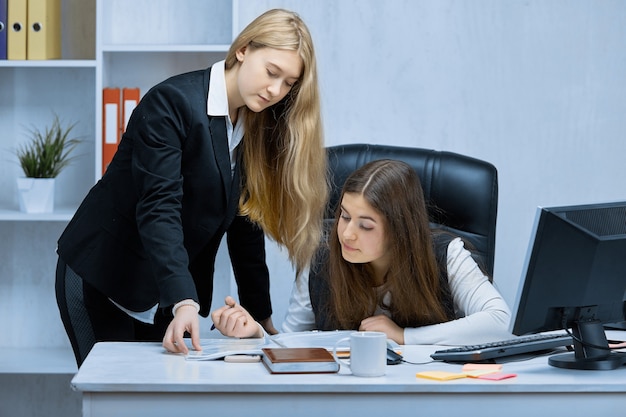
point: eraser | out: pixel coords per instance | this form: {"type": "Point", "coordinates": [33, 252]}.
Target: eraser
{"type": "Point", "coordinates": [242, 358]}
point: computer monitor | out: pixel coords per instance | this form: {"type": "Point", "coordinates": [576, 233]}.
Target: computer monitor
{"type": "Point", "coordinates": [575, 278]}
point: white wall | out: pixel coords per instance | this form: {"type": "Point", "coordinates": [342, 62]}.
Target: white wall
{"type": "Point", "coordinates": [537, 87]}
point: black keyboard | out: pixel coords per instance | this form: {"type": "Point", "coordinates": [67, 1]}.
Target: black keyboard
{"type": "Point", "coordinates": [503, 348]}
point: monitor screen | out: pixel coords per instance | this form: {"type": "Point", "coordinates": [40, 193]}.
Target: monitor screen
{"type": "Point", "coordinates": [575, 278]}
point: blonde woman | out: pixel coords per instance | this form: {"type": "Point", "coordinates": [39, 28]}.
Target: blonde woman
{"type": "Point", "coordinates": [236, 150]}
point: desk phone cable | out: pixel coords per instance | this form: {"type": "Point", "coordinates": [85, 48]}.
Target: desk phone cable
{"type": "Point", "coordinates": [394, 358]}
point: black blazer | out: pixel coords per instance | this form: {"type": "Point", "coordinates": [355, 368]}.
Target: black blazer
{"type": "Point", "coordinates": [149, 230]}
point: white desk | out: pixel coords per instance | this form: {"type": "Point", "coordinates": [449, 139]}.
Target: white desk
{"type": "Point", "coordinates": [140, 379]}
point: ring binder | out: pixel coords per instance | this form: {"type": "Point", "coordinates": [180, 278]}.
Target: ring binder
{"type": "Point", "coordinates": [3, 29]}
{"type": "Point", "coordinates": [44, 29]}
{"type": "Point", "coordinates": [16, 33]}
{"type": "Point", "coordinates": [110, 124]}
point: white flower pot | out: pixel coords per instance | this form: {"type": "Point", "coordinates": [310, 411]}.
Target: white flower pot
{"type": "Point", "coordinates": [36, 195]}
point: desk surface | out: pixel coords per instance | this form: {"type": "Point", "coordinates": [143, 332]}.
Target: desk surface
{"type": "Point", "coordinates": [116, 373]}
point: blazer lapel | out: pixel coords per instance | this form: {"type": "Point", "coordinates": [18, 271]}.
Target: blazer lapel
{"type": "Point", "coordinates": [219, 140]}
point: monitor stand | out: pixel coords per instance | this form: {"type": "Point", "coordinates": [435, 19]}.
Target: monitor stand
{"type": "Point", "coordinates": [591, 350]}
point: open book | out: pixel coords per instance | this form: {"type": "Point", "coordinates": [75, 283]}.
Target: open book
{"type": "Point", "coordinates": [218, 348]}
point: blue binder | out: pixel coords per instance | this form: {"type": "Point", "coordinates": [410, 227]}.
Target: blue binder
{"type": "Point", "coordinates": [3, 29]}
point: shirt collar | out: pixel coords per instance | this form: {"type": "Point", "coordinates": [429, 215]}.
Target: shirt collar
{"type": "Point", "coordinates": [217, 101]}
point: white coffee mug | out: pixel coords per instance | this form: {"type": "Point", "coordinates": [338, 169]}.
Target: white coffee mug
{"type": "Point", "coordinates": [368, 353]}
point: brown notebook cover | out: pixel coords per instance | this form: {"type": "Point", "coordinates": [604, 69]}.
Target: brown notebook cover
{"type": "Point", "coordinates": [299, 360]}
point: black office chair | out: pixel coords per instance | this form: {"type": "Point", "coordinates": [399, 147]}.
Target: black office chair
{"type": "Point", "coordinates": [461, 191]}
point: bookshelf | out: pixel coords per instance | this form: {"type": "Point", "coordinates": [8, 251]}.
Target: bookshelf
{"type": "Point", "coordinates": [32, 92]}
{"type": "Point", "coordinates": [120, 43]}
{"type": "Point", "coordinates": [143, 42]}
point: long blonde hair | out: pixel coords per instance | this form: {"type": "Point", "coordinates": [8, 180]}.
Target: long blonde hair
{"type": "Point", "coordinates": [285, 185]}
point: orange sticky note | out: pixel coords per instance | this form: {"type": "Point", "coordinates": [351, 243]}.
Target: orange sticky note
{"type": "Point", "coordinates": [495, 367]}
{"type": "Point", "coordinates": [479, 372]}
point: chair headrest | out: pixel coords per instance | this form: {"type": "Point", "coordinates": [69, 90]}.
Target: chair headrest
{"type": "Point", "coordinates": [461, 191]}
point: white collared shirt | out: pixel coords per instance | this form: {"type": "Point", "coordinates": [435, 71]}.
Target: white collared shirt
{"type": "Point", "coordinates": [217, 105]}
{"type": "Point", "coordinates": [483, 315]}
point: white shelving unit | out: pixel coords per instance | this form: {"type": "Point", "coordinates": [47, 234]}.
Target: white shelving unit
{"type": "Point", "coordinates": [105, 43]}
{"type": "Point", "coordinates": [32, 92]}
{"type": "Point", "coordinates": [142, 42]}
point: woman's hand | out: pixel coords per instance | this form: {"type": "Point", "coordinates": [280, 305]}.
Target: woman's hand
{"type": "Point", "coordinates": [382, 323]}
{"type": "Point", "coordinates": [233, 320]}
{"type": "Point", "coordinates": [268, 325]}
{"type": "Point", "coordinates": [185, 320]}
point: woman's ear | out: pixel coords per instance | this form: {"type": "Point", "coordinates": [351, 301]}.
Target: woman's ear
{"type": "Point", "coordinates": [241, 52]}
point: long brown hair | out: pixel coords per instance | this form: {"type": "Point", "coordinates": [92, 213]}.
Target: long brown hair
{"type": "Point", "coordinates": [393, 189]}
{"type": "Point", "coordinates": [285, 184]}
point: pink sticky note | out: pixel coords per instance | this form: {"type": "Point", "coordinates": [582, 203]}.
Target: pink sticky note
{"type": "Point", "coordinates": [497, 376]}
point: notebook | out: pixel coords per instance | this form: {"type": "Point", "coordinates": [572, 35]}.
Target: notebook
{"type": "Point", "coordinates": [302, 360]}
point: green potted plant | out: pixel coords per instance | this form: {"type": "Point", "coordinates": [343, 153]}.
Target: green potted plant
{"type": "Point", "coordinates": [42, 159]}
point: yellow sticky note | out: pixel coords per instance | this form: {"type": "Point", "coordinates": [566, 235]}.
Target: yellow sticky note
{"type": "Point", "coordinates": [439, 375]}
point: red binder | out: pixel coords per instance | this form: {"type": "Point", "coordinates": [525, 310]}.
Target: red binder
{"type": "Point", "coordinates": [130, 99]}
{"type": "Point", "coordinates": [110, 124]}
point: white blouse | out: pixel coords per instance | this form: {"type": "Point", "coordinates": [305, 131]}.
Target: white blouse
{"type": "Point", "coordinates": [482, 313]}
